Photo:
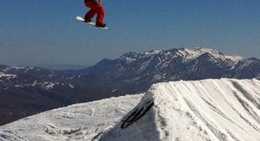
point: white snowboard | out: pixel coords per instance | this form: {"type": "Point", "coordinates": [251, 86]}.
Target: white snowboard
{"type": "Point", "coordinates": [90, 23]}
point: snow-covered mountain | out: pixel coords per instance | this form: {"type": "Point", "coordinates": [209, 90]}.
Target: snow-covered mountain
{"type": "Point", "coordinates": [29, 90]}
{"type": "Point", "coordinates": [136, 72]}
{"type": "Point", "coordinates": [212, 109]}
{"type": "Point", "coordinates": [177, 64]}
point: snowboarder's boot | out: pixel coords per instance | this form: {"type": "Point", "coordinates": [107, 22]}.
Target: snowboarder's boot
{"type": "Point", "coordinates": [88, 20]}
{"type": "Point", "coordinates": [100, 25]}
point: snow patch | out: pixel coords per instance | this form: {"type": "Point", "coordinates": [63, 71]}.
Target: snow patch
{"type": "Point", "coordinates": [8, 76]}
{"type": "Point", "coordinates": [47, 85]}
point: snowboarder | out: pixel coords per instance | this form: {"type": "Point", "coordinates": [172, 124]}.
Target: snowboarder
{"type": "Point", "coordinates": [95, 8]}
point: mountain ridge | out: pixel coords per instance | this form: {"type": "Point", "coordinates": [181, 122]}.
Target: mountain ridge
{"type": "Point", "coordinates": [176, 61]}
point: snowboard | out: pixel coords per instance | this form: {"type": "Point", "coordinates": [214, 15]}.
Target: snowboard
{"type": "Point", "coordinates": [91, 23]}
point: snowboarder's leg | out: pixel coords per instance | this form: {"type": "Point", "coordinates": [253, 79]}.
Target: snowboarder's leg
{"type": "Point", "coordinates": [91, 13]}
{"type": "Point", "coordinates": [96, 8]}
{"type": "Point", "coordinates": [100, 15]}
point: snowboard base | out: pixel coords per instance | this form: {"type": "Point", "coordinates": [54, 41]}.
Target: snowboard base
{"type": "Point", "coordinates": [91, 23]}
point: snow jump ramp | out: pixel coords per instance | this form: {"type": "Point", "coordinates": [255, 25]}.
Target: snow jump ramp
{"type": "Point", "coordinates": [207, 110]}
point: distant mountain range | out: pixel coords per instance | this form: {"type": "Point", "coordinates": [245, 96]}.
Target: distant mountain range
{"type": "Point", "coordinates": [29, 90]}
{"type": "Point", "coordinates": [135, 69]}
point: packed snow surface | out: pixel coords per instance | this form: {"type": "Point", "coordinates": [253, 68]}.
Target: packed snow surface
{"type": "Point", "coordinates": [205, 110]}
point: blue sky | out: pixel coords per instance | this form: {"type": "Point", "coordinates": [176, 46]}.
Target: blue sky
{"type": "Point", "coordinates": [46, 32]}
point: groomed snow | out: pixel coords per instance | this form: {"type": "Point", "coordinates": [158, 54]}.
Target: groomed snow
{"type": "Point", "coordinates": [73, 123]}
{"type": "Point", "coordinates": [215, 110]}
{"type": "Point", "coordinates": [206, 110]}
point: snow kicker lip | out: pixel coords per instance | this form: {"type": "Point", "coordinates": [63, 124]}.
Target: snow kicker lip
{"type": "Point", "coordinates": [137, 114]}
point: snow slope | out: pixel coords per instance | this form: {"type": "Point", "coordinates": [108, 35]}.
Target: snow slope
{"type": "Point", "coordinates": [205, 110]}
{"type": "Point", "coordinates": [216, 110]}
{"type": "Point", "coordinates": [73, 123]}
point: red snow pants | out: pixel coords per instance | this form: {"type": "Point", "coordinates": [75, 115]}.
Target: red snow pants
{"type": "Point", "coordinates": [95, 8]}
